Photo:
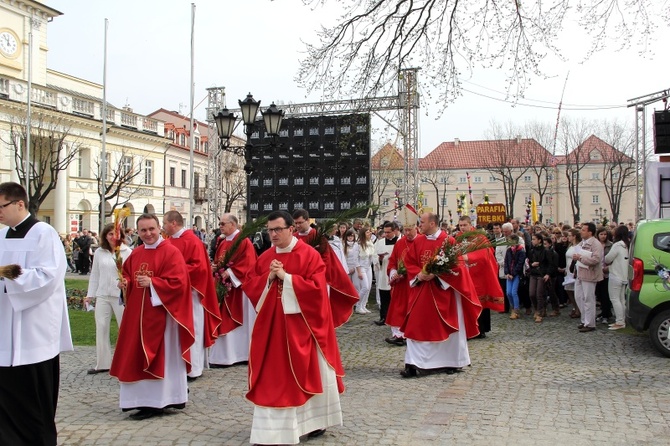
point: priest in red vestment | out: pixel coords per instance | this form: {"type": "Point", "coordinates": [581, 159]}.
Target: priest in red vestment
{"type": "Point", "coordinates": [152, 355]}
{"type": "Point", "coordinates": [399, 285]}
{"type": "Point", "coordinates": [237, 312]}
{"type": "Point", "coordinates": [343, 294]}
{"type": "Point", "coordinates": [442, 311]}
{"type": "Point", "coordinates": [206, 316]}
{"type": "Point", "coordinates": [295, 370]}
{"type": "Point", "coordinates": [484, 266]}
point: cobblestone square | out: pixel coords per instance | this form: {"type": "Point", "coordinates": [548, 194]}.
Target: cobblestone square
{"type": "Point", "coordinates": [529, 384]}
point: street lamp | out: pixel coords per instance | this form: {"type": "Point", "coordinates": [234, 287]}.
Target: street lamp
{"type": "Point", "coordinates": [225, 124]}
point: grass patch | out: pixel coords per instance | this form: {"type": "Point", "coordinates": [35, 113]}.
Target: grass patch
{"type": "Point", "coordinates": [82, 326]}
{"type": "Point", "coordinates": [82, 323]}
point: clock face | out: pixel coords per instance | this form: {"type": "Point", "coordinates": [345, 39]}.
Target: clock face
{"type": "Point", "coordinates": [8, 44]}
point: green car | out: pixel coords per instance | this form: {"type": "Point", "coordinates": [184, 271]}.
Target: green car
{"type": "Point", "coordinates": [648, 302]}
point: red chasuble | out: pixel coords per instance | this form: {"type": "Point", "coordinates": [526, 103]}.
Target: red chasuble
{"type": "Point", "coordinates": [283, 365]}
{"type": "Point", "coordinates": [484, 267]}
{"type": "Point", "coordinates": [400, 288]}
{"type": "Point", "coordinates": [243, 260]}
{"type": "Point", "coordinates": [432, 313]}
{"type": "Point", "coordinates": [140, 350]}
{"type": "Point", "coordinates": [202, 281]}
{"type": "Point", "coordinates": [343, 294]}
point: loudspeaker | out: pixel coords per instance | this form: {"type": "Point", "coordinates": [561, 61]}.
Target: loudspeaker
{"type": "Point", "coordinates": [662, 132]}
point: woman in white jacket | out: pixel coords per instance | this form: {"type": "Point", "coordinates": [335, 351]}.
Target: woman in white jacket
{"type": "Point", "coordinates": [363, 273]}
{"type": "Point", "coordinates": [102, 287]}
{"type": "Point", "coordinates": [617, 259]}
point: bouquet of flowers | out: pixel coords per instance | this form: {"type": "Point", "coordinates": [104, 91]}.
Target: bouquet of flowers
{"type": "Point", "coordinates": [449, 255]}
{"type": "Point", "coordinates": [401, 270]}
{"type": "Point", "coordinates": [223, 283]}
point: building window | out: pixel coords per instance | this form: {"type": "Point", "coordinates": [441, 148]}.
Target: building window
{"type": "Point", "coordinates": [595, 199]}
{"type": "Point", "coordinates": [550, 177]}
{"type": "Point", "coordinates": [196, 181]}
{"type": "Point", "coordinates": [443, 180]}
{"type": "Point", "coordinates": [196, 145]}
{"type": "Point", "coordinates": [148, 172]}
{"type": "Point", "coordinates": [126, 165]}
{"type": "Point", "coordinates": [172, 175]}
{"type": "Point", "coordinates": [527, 178]}
{"type": "Point", "coordinates": [385, 181]}
{"type": "Point", "coordinates": [424, 201]}
{"type": "Point", "coordinates": [462, 180]}
{"type": "Point", "coordinates": [615, 175]}
{"type": "Point", "coordinates": [478, 179]}
{"type": "Point", "coordinates": [595, 175]}
{"type": "Point", "coordinates": [443, 201]}
{"type": "Point", "coordinates": [182, 139]}
{"type": "Point", "coordinates": [183, 178]}
{"type": "Point", "coordinates": [385, 202]}
{"type": "Point", "coordinates": [492, 179]}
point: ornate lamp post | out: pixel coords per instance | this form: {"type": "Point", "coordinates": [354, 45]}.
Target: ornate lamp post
{"type": "Point", "coordinates": [225, 124]}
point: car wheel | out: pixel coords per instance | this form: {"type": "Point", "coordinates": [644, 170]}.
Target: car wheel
{"type": "Point", "coordinates": [659, 332]}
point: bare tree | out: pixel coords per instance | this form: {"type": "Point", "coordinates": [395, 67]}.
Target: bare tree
{"type": "Point", "coordinates": [120, 187]}
{"type": "Point", "coordinates": [361, 54]}
{"type": "Point", "coordinates": [540, 160]}
{"type": "Point", "coordinates": [573, 136]}
{"type": "Point", "coordinates": [506, 162]}
{"type": "Point", "coordinates": [619, 166]}
{"type": "Point", "coordinates": [232, 179]}
{"type": "Point", "coordinates": [438, 180]}
{"type": "Point", "coordinates": [53, 148]}
{"type": "Point", "coordinates": [387, 166]}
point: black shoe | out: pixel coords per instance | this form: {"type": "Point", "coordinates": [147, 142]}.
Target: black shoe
{"type": "Point", "coordinates": [408, 372]}
{"type": "Point", "coordinates": [452, 370]}
{"type": "Point", "coordinates": [143, 414]}
{"type": "Point", "coordinates": [580, 326]}
{"type": "Point", "coordinates": [190, 379]}
{"type": "Point", "coordinates": [96, 371]}
{"type": "Point", "coordinates": [481, 335]}
{"type": "Point", "coordinates": [380, 322]}
{"type": "Point", "coordinates": [395, 341]}
{"type": "Point", "coordinates": [587, 329]}
{"type": "Point", "coordinates": [316, 433]}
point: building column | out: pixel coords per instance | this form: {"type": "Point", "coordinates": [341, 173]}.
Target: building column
{"type": "Point", "coordinates": [60, 197]}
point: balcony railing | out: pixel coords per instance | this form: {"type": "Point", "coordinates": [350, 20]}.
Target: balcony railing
{"type": "Point", "coordinates": [200, 194]}
{"type": "Point", "coordinates": [67, 101]}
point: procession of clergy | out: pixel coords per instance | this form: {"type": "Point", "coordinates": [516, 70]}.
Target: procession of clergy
{"type": "Point", "coordinates": [279, 317]}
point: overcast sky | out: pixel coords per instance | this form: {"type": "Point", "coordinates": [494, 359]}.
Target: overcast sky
{"type": "Point", "coordinates": [255, 45]}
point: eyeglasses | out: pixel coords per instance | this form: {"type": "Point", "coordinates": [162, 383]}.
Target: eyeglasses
{"type": "Point", "coordinates": [2, 206]}
{"type": "Point", "coordinates": [277, 230]}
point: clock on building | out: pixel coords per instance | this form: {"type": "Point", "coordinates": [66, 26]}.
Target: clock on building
{"type": "Point", "coordinates": [9, 43]}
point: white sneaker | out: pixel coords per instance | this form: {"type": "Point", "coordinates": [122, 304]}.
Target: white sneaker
{"type": "Point", "coordinates": [359, 311]}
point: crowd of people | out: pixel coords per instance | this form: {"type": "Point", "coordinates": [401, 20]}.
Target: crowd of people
{"type": "Point", "coordinates": [185, 302]}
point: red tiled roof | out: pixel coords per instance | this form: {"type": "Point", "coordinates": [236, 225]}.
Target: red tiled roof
{"type": "Point", "coordinates": [473, 154]}
{"type": "Point", "coordinates": [606, 151]}
{"type": "Point", "coordinates": [389, 153]}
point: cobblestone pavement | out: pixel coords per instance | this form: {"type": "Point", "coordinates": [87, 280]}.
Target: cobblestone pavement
{"type": "Point", "coordinates": [529, 384]}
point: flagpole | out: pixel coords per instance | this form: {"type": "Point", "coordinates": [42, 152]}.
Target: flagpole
{"type": "Point", "coordinates": [192, 144]}
{"type": "Point", "coordinates": [103, 152]}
